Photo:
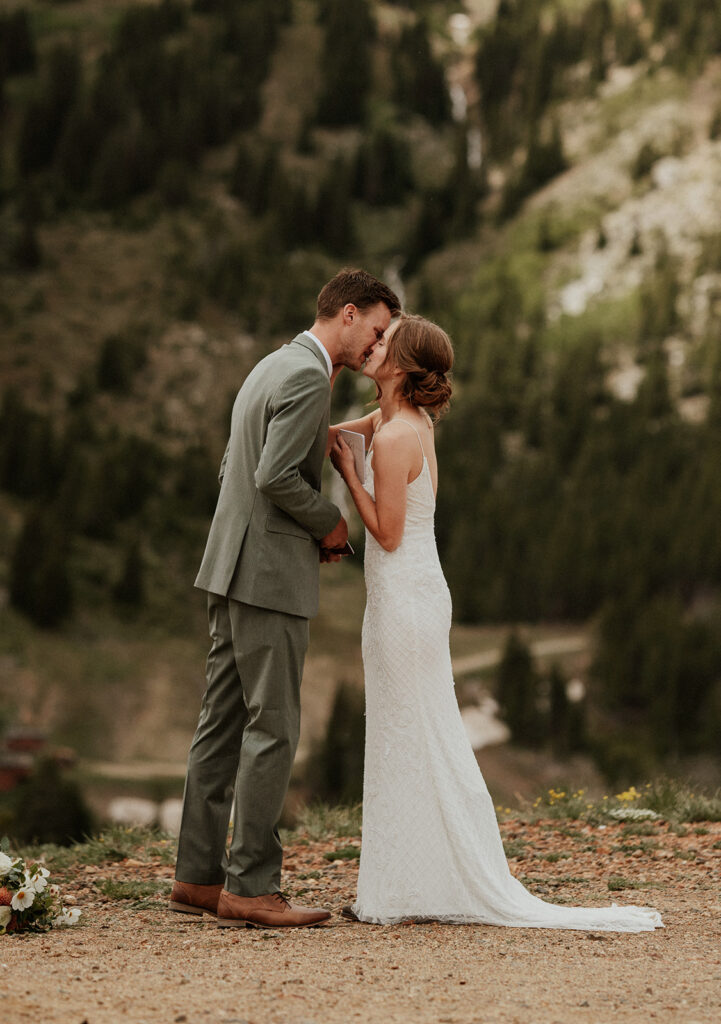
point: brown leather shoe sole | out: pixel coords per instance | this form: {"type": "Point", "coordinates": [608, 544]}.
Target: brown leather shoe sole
{"type": "Point", "coordinates": [186, 908]}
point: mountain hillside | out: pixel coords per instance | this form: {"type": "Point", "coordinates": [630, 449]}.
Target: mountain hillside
{"type": "Point", "coordinates": [177, 181]}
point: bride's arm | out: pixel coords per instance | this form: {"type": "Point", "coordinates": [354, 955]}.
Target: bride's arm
{"type": "Point", "coordinates": [365, 426]}
{"type": "Point", "coordinates": [386, 516]}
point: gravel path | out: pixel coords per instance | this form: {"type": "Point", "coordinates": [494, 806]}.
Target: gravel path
{"type": "Point", "coordinates": [133, 961]}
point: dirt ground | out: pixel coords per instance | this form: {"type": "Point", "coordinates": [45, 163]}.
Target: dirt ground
{"type": "Point", "coordinates": [130, 960]}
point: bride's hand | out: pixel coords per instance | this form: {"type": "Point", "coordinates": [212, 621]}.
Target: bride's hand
{"type": "Point", "coordinates": [342, 458]}
{"type": "Point", "coordinates": [332, 435]}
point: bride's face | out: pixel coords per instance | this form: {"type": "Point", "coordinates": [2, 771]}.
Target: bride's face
{"type": "Point", "coordinates": [376, 366]}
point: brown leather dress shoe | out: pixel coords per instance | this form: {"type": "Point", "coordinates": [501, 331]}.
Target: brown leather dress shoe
{"type": "Point", "coordinates": [270, 911]}
{"type": "Point", "coordinates": [187, 898]}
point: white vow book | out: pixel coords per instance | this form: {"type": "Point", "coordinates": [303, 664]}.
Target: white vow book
{"type": "Point", "coordinates": [357, 444]}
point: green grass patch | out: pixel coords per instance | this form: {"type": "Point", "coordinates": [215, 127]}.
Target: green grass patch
{"type": "Point", "coordinates": [639, 828]}
{"type": "Point", "coordinates": [617, 882]}
{"type": "Point", "coordinates": [677, 801]}
{"type": "Point", "coordinates": [644, 846]}
{"type": "Point", "coordinates": [672, 801]}
{"type": "Point", "coordinates": [107, 847]}
{"type": "Point", "coordinates": [320, 821]}
{"type": "Point", "coordinates": [142, 894]}
{"type": "Point", "coordinates": [515, 847]}
{"type": "Point", "coordinates": [343, 853]}
{"type": "Point", "coordinates": [570, 833]}
{"type": "Point", "coordinates": [553, 882]}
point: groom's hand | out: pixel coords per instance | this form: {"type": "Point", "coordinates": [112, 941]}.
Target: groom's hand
{"type": "Point", "coordinates": [329, 556]}
{"type": "Point", "coordinates": [333, 541]}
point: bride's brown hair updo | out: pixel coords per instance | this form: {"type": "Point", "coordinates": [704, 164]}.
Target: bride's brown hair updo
{"type": "Point", "coordinates": [423, 351]}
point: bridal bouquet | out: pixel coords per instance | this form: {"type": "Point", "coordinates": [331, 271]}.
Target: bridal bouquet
{"type": "Point", "coordinates": [28, 903]}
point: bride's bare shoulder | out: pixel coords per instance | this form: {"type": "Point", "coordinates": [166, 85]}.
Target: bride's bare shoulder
{"type": "Point", "coordinates": [394, 439]}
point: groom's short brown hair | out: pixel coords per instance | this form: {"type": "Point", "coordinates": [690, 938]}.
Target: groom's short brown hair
{"type": "Point", "coordinates": [358, 287]}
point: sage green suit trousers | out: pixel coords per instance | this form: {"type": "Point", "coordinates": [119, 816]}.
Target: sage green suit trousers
{"type": "Point", "coordinates": [243, 749]}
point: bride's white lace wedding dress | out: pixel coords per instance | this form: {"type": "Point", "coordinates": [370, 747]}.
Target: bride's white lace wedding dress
{"type": "Point", "coordinates": [431, 844]}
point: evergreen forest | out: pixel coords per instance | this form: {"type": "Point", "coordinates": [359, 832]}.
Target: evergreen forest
{"type": "Point", "coordinates": [543, 178]}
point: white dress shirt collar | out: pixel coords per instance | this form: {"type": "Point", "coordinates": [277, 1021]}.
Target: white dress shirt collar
{"type": "Point", "coordinates": [323, 349]}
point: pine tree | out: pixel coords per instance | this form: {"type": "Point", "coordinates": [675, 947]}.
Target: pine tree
{"type": "Point", "coordinates": [544, 160]}
{"type": "Point", "coordinates": [507, 75]}
{"type": "Point", "coordinates": [654, 396]}
{"type": "Point", "coordinates": [427, 229]}
{"type": "Point", "coordinates": [558, 716]}
{"type": "Point", "coordinates": [142, 22]}
{"type": "Point", "coordinates": [130, 588]}
{"type": "Point", "coordinates": [255, 173]}
{"type": "Point", "coordinates": [17, 43]}
{"type": "Point", "coordinates": [39, 576]}
{"type": "Point", "coordinates": [383, 169]}
{"type": "Point", "coordinates": [127, 163]}
{"type": "Point", "coordinates": [659, 298]}
{"type": "Point", "coordinates": [334, 221]}
{"type": "Point", "coordinates": [49, 808]}
{"type": "Point", "coordinates": [197, 480]}
{"type": "Point", "coordinates": [27, 249]}
{"type": "Point", "coordinates": [82, 137]}
{"type": "Point", "coordinates": [174, 184]}
{"type": "Point", "coordinates": [346, 61]}
{"type": "Point", "coordinates": [14, 424]}
{"type": "Point", "coordinates": [28, 454]}
{"type": "Point", "coordinates": [517, 692]}
{"type": "Point", "coordinates": [43, 120]}
{"type": "Point", "coordinates": [597, 25]}
{"type": "Point", "coordinates": [465, 187]}
{"type": "Point", "coordinates": [121, 357]}
{"type": "Point", "coordinates": [340, 759]}
{"type": "Point", "coordinates": [418, 78]}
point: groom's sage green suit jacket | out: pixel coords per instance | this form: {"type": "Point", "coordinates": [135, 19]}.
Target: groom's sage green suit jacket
{"type": "Point", "coordinates": [262, 547]}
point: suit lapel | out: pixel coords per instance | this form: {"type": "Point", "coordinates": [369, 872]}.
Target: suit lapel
{"type": "Point", "coordinates": [308, 343]}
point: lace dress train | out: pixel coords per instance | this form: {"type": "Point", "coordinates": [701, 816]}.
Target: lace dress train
{"type": "Point", "coordinates": [431, 844]}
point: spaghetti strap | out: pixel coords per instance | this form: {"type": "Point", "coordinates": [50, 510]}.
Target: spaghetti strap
{"type": "Point", "coordinates": [401, 420]}
{"type": "Point", "coordinates": [398, 419]}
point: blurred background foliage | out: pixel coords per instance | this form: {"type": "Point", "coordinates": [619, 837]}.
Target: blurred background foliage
{"type": "Point", "coordinates": [177, 181]}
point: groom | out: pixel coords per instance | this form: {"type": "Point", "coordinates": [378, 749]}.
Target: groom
{"type": "Point", "coordinates": [270, 530]}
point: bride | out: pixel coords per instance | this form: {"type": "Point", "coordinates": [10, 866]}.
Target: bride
{"type": "Point", "coordinates": [431, 844]}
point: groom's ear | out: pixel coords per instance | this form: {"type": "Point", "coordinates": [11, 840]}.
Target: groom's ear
{"type": "Point", "coordinates": [350, 312]}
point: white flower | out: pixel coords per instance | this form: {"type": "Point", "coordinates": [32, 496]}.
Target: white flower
{"type": "Point", "coordinates": [633, 814]}
{"type": "Point", "coordinates": [39, 880]}
{"type": "Point", "coordinates": [68, 916]}
{"type": "Point", "coordinates": [5, 864]}
{"type": "Point", "coordinates": [5, 915]}
{"type": "Point", "coordinates": [54, 890]}
{"type": "Point", "coordinates": [23, 898]}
